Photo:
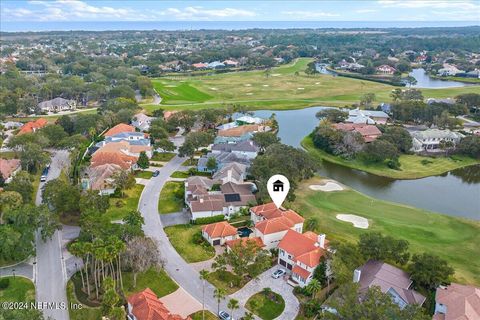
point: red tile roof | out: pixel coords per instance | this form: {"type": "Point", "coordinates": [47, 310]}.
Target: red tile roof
{"type": "Point", "coordinates": [239, 131]}
{"type": "Point", "coordinates": [274, 225]}
{"type": "Point", "coordinates": [301, 272]}
{"type": "Point", "coordinates": [146, 306]}
{"type": "Point", "coordinates": [119, 128]}
{"type": "Point", "coordinates": [369, 132]}
{"type": "Point", "coordinates": [33, 126]}
{"type": "Point", "coordinates": [219, 229]}
{"type": "Point", "coordinates": [258, 241]}
{"type": "Point", "coordinates": [270, 211]}
{"type": "Point", "coordinates": [118, 158]}
{"type": "Point", "coordinates": [298, 245]}
{"type": "Point", "coordinates": [462, 302]}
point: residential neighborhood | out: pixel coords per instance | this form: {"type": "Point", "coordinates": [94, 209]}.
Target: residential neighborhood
{"type": "Point", "coordinates": [218, 160]}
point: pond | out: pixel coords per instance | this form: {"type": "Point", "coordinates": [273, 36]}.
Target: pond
{"type": "Point", "coordinates": [425, 81]}
{"type": "Point", "coordinates": [455, 193]}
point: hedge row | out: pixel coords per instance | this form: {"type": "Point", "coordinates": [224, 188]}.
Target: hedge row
{"type": "Point", "coordinates": [208, 220]}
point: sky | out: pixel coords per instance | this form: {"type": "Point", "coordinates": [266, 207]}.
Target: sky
{"type": "Point", "coordinates": [340, 10]}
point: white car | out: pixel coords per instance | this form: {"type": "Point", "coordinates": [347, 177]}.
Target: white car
{"type": "Point", "coordinates": [224, 316]}
{"type": "Point", "coordinates": [278, 273]}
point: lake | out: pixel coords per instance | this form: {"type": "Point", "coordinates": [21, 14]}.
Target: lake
{"type": "Point", "coordinates": [425, 81]}
{"type": "Point", "coordinates": [455, 193]}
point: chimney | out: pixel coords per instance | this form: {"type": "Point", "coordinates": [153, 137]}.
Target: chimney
{"type": "Point", "coordinates": [321, 240]}
{"type": "Point", "coordinates": [201, 200]}
{"type": "Point", "coordinates": [356, 275]}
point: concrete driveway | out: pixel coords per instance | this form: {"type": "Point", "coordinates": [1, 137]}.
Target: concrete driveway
{"type": "Point", "coordinates": [181, 303]}
{"type": "Point", "coordinates": [279, 286]}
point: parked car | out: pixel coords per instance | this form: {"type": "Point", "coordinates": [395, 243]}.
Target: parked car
{"type": "Point", "coordinates": [156, 173]}
{"type": "Point", "coordinates": [278, 273]}
{"type": "Point", "coordinates": [224, 316]}
{"type": "Point", "coordinates": [44, 175]}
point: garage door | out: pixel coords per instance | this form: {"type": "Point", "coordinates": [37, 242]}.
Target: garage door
{"type": "Point", "coordinates": [289, 266]}
{"type": "Point", "coordinates": [216, 242]}
{"type": "Point", "coordinates": [283, 263]}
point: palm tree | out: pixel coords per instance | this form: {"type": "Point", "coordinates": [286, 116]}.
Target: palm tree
{"type": "Point", "coordinates": [233, 305]}
{"type": "Point", "coordinates": [267, 292]}
{"type": "Point", "coordinates": [219, 294]}
{"type": "Point", "coordinates": [313, 287]}
{"type": "Point", "coordinates": [203, 277]}
{"type": "Point", "coordinates": [248, 316]}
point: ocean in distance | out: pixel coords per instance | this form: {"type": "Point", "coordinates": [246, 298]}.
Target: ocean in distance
{"type": "Point", "coordinates": [24, 26]}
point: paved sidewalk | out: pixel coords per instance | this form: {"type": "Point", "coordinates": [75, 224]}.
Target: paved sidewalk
{"type": "Point", "coordinates": [279, 286]}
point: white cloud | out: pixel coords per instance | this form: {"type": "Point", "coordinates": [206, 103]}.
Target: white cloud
{"type": "Point", "coordinates": [366, 11]}
{"type": "Point", "coordinates": [300, 14]}
{"type": "Point", "coordinates": [206, 14]}
{"type": "Point", "coordinates": [76, 10]}
{"type": "Point", "coordinates": [434, 4]}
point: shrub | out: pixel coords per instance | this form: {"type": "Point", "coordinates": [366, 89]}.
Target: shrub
{"type": "Point", "coordinates": [197, 238]}
{"type": "Point", "coordinates": [4, 283]}
{"type": "Point", "coordinates": [208, 220]}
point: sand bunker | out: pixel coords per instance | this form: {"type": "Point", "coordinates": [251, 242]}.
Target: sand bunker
{"type": "Point", "coordinates": [266, 85]}
{"type": "Point", "coordinates": [248, 85]}
{"type": "Point", "coordinates": [317, 82]}
{"type": "Point", "coordinates": [357, 221]}
{"type": "Point", "coordinates": [329, 186]}
{"type": "Point", "coordinates": [275, 74]}
{"type": "Point", "coordinates": [249, 93]}
{"type": "Point", "coordinates": [300, 88]}
{"type": "Point", "coordinates": [214, 89]}
{"type": "Point", "coordinates": [171, 86]}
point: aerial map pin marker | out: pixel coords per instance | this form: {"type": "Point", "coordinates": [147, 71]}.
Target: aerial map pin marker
{"type": "Point", "coordinates": [278, 187]}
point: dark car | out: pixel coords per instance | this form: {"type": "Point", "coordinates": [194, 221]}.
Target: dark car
{"type": "Point", "coordinates": [156, 173]}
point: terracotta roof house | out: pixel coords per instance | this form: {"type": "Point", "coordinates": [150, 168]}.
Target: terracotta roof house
{"type": "Point", "coordinates": [243, 241]}
{"type": "Point", "coordinates": [168, 114]}
{"type": "Point", "coordinates": [126, 148]}
{"type": "Point", "coordinates": [33, 126]}
{"type": "Point", "coordinates": [368, 132]}
{"type": "Point", "coordinates": [8, 168]}
{"type": "Point", "coordinates": [126, 162]}
{"type": "Point", "coordinates": [240, 131]}
{"type": "Point", "coordinates": [133, 138]}
{"type": "Point", "coordinates": [272, 229]}
{"type": "Point", "coordinates": [219, 233]}
{"type": "Point", "coordinates": [301, 253]}
{"type": "Point", "coordinates": [146, 306]}
{"type": "Point", "coordinates": [101, 178]}
{"type": "Point", "coordinates": [269, 211]}
{"type": "Point", "coordinates": [199, 65]}
{"type": "Point", "coordinates": [390, 279]}
{"type": "Point", "coordinates": [119, 128]}
{"type": "Point", "coordinates": [457, 302]}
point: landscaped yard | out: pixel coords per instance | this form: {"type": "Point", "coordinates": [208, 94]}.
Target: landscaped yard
{"type": "Point", "coordinates": [199, 315]}
{"type": "Point", "coordinates": [19, 289]}
{"type": "Point", "coordinates": [171, 197]}
{"type": "Point", "coordinates": [158, 281]}
{"type": "Point", "coordinates": [183, 240]}
{"type": "Point", "coordinates": [267, 308]}
{"type": "Point", "coordinates": [180, 174]}
{"type": "Point", "coordinates": [411, 166]}
{"type": "Point", "coordinates": [190, 162]}
{"type": "Point", "coordinates": [286, 87]}
{"type": "Point", "coordinates": [86, 312]}
{"type": "Point", "coordinates": [143, 174]}
{"type": "Point", "coordinates": [119, 207]}
{"type": "Point", "coordinates": [162, 156]}
{"type": "Point", "coordinates": [226, 280]}
{"type": "Point", "coordinates": [451, 238]}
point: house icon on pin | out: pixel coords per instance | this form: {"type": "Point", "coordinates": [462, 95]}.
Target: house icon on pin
{"type": "Point", "coordinates": [278, 186]}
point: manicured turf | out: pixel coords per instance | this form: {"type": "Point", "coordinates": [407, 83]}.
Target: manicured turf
{"type": "Point", "coordinates": [411, 166]}
{"type": "Point", "coordinates": [180, 174]}
{"type": "Point", "coordinates": [454, 239]}
{"type": "Point", "coordinates": [268, 308]}
{"type": "Point", "coordinates": [19, 290]}
{"type": "Point", "coordinates": [169, 200]}
{"type": "Point", "coordinates": [86, 312]}
{"type": "Point", "coordinates": [163, 156]}
{"type": "Point", "coordinates": [143, 174]}
{"type": "Point", "coordinates": [225, 280]}
{"type": "Point", "coordinates": [282, 89]}
{"type": "Point", "coordinates": [199, 315]}
{"type": "Point", "coordinates": [158, 281]}
{"type": "Point", "coordinates": [119, 207]}
{"type": "Point", "coordinates": [182, 239]}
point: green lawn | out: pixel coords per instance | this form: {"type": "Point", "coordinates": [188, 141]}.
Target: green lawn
{"type": "Point", "coordinates": [282, 89]}
{"type": "Point", "coordinates": [183, 239]}
{"type": "Point", "coordinates": [411, 166]}
{"type": "Point", "coordinates": [225, 280]}
{"type": "Point", "coordinates": [190, 162]}
{"type": "Point", "coordinates": [8, 154]}
{"type": "Point", "coordinates": [199, 315]}
{"type": "Point", "coordinates": [158, 281]}
{"type": "Point", "coordinates": [451, 238]}
{"type": "Point", "coordinates": [119, 207]}
{"type": "Point", "coordinates": [163, 156]}
{"type": "Point", "coordinates": [267, 308]}
{"type": "Point", "coordinates": [180, 174]}
{"type": "Point", "coordinates": [171, 197]}
{"type": "Point", "coordinates": [19, 290]}
{"type": "Point", "coordinates": [86, 312]}
{"type": "Point", "coordinates": [143, 174]}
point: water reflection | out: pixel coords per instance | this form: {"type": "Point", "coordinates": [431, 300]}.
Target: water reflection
{"type": "Point", "coordinates": [425, 81]}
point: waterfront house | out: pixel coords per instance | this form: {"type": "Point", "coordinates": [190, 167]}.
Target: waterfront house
{"type": "Point", "coordinates": [430, 139]}
{"type": "Point", "coordinates": [367, 117]}
{"type": "Point", "coordinates": [367, 131]}
{"type": "Point", "coordinates": [391, 280]}
{"type": "Point", "coordinates": [243, 149]}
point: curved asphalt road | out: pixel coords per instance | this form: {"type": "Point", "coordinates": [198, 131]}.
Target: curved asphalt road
{"type": "Point", "coordinates": [176, 267]}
